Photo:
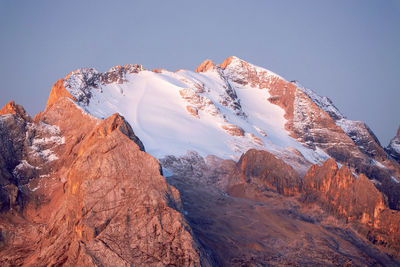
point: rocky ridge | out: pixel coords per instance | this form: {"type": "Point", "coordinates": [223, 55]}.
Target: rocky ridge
{"type": "Point", "coordinates": [100, 200]}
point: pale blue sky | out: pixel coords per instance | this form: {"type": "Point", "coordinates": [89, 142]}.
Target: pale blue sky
{"type": "Point", "coordinates": [347, 50]}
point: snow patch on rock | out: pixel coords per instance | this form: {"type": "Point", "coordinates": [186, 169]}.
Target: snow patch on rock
{"type": "Point", "coordinates": [45, 139]}
{"type": "Point", "coordinates": [24, 164]}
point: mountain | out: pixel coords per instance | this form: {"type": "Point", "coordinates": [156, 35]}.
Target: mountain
{"type": "Point", "coordinates": [228, 165]}
{"type": "Point", "coordinates": [224, 110]}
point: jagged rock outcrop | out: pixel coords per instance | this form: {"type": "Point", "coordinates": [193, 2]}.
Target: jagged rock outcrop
{"type": "Point", "coordinates": [58, 91]}
{"type": "Point", "coordinates": [26, 152]}
{"type": "Point", "coordinates": [79, 83]}
{"type": "Point", "coordinates": [12, 133]}
{"type": "Point", "coordinates": [266, 171]}
{"type": "Point", "coordinates": [198, 102]}
{"type": "Point", "coordinates": [17, 110]}
{"type": "Point", "coordinates": [117, 210]}
{"type": "Point", "coordinates": [393, 148]}
{"type": "Point", "coordinates": [103, 201]}
{"type": "Point", "coordinates": [356, 199]}
{"type": "Point", "coordinates": [205, 66]}
{"type": "Point", "coordinates": [233, 130]}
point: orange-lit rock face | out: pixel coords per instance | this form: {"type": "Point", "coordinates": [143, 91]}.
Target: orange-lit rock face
{"type": "Point", "coordinates": [102, 202]}
{"type": "Point", "coordinates": [355, 199]}
{"type": "Point", "coordinates": [233, 130]}
{"type": "Point", "coordinates": [205, 66]}
{"type": "Point", "coordinates": [105, 170]}
{"type": "Point", "coordinates": [226, 62]}
{"type": "Point", "coordinates": [193, 111]}
{"type": "Point", "coordinates": [265, 170]}
{"type": "Point", "coordinates": [256, 139]}
{"type": "Point", "coordinates": [58, 91]}
{"type": "Point", "coordinates": [158, 70]}
{"type": "Point", "coordinates": [17, 110]}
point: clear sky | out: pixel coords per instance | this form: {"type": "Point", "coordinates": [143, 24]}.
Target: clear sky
{"type": "Point", "coordinates": [347, 50]}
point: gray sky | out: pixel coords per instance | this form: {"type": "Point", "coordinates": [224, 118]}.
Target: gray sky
{"type": "Point", "coordinates": [346, 50]}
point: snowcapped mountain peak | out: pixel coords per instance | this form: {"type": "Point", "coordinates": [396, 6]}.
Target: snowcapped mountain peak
{"type": "Point", "coordinates": [222, 110]}
{"type": "Point", "coordinates": [242, 72]}
{"type": "Point", "coordinates": [217, 110]}
{"type": "Point", "coordinates": [235, 67]}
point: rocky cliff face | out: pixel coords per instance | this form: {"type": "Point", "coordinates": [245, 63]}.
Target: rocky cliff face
{"type": "Point", "coordinates": [393, 148]}
{"type": "Point", "coordinates": [11, 125]}
{"type": "Point", "coordinates": [266, 171]}
{"type": "Point", "coordinates": [102, 200]}
{"type": "Point", "coordinates": [356, 199]}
